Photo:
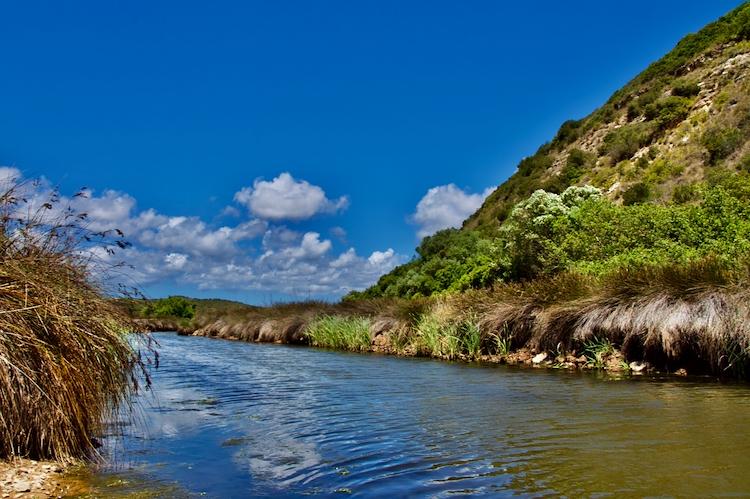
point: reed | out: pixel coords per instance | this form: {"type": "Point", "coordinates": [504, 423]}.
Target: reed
{"type": "Point", "coordinates": [343, 333]}
{"type": "Point", "coordinates": [65, 360]}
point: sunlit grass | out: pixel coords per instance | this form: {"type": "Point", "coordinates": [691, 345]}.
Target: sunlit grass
{"type": "Point", "coordinates": [340, 332]}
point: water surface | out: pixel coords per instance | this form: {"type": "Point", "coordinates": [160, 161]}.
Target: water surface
{"type": "Point", "coordinates": [229, 419]}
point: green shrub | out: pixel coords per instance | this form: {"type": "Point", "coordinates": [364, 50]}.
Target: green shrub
{"type": "Point", "coordinates": [538, 163]}
{"type": "Point", "coordinates": [577, 164]}
{"type": "Point", "coordinates": [638, 105]}
{"type": "Point", "coordinates": [721, 142]}
{"type": "Point", "coordinates": [685, 193]}
{"type": "Point", "coordinates": [471, 338]}
{"type": "Point", "coordinates": [686, 88]}
{"type": "Point", "coordinates": [668, 112]}
{"type": "Point", "coordinates": [622, 143]}
{"type": "Point", "coordinates": [568, 132]}
{"type": "Point", "coordinates": [173, 306]}
{"type": "Point", "coordinates": [744, 163]}
{"type": "Point", "coordinates": [636, 194]}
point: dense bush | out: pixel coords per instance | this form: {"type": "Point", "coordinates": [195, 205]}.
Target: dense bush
{"type": "Point", "coordinates": [622, 143]}
{"type": "Point", "coordinates": [569, 132]}
{"type": "Point", "coordinates": [578, 163]}
{"type": "Point", "coordinates": [639, 104]}
{"type": "Point", "coordinates": [668, 112]}
{"type": "Point", "coordinates": [686, 88]}
{"type": "Point", "coordinates": [174, 306]}
{"type": "Point", "coordinates": [721, 142]}
{"type": "Point", "coordinates": [636, 193]}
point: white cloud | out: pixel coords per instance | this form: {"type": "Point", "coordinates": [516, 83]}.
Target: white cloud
{"type": "Point", "coordinates": [380, 257]}
{"type": "Point", "coordinates": [186, 251]}
{"type": "Point", "coordinates": [445, 206]}
{"type": "Point", "coordinates": [285, 198]}
{"type": "Point", "coordinates": [192, 235]}
{"type": "Point", "coordinates": [176, 260]}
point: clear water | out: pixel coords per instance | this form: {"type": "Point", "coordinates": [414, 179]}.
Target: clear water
{"type": "Point", "coordinates": [229, 419]}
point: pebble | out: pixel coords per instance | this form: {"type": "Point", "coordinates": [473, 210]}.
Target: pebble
{"type": "Point", "coordinates": [539, 358]}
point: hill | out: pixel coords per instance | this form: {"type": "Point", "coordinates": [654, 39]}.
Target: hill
{"type": "Point", "coordinates": [676, 131]}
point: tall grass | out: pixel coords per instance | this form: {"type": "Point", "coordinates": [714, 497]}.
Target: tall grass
{"type": "Point", "coordinates": [343, 333]}
{"type": "Point", "coordinates": [65, 362]}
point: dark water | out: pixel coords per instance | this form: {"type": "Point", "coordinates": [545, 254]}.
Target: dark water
{"type": "Point", "coordinates": [233, 419]}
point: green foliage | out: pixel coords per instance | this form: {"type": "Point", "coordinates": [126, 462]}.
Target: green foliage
{"type": "Point", "coordinates": [686, 88]}
{"type": "Point", "coordinates": [596, 350]}
{"type": "Point", "coordinates": [721, 142]}
{"type": "Point", "coordinates": [744, 163]}
{"type": "Point", "coordinates": [537, 163]}
{"type": "Point", "coordinates": [732, 27]}
{"type": "Point", "coordinates": [622, 143]}
{"type": "Point", "coordinates": [569, 132]}
{"type": "Point", "coordinates": [340, 332]}
{"type": "Point", "coordinates": [639, 104]}
{"type": "Point", "coordinates": [636, 194]}
{"type": "Point", "coordinates": [579, 230]}
{"type": "Point", "coordinates": [436, 337]}
{"type": "Point", "coordinates": [669, 111]}
{"type": "Point", "coordinates": [577, 164]}
{"type": "Point", "coordinates": [443, 259]}
{"type": "Point", "coordinates": [499, 243]}
{"type": "Point", "coordinates": [530, 230]}
{"type": "Point", "coordinates": [471, 338]}
{"type": "Point", "coordinates": [173, 306]}
{"type": "Point", "coordinates": [685, 193]}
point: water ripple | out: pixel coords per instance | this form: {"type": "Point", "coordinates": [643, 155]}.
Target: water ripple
{"type": "Point", "coordinates": [228, 419]}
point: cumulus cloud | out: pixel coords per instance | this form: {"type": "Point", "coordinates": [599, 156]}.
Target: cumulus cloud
{"type": "Point", "coordinates": [445, 206]}
{"type": "Point", "coordinates": [247, 255]}
{"type": "Point", "coordinates": [175, 260]}
{"type": "Point", "coordinates": [285, 198]}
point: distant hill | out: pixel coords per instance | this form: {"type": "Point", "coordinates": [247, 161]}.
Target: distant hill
{"type": "Point", "coordinates": [672, 130]}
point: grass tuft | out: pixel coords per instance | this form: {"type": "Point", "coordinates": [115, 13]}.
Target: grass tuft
{"type": "Point", "coordinates": [65, 360]}
{"type": "Point", "coordinates": [339, 332]}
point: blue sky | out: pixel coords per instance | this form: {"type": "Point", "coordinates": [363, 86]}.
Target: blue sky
{"type": "Point", "coordinates": [169, 111]}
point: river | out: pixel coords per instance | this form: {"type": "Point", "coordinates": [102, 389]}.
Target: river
{"type": "Point", "coordinates": [230, 419]}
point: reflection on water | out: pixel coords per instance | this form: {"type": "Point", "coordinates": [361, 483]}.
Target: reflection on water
{"type": "Point", "coordinates": [229, 419]}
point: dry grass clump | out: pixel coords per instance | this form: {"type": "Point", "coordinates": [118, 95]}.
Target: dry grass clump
{"type": "Point", "coordinates": [64, 360]}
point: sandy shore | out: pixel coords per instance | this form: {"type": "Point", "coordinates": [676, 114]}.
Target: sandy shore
{"type": "Point", "coordinates": [24, 478]}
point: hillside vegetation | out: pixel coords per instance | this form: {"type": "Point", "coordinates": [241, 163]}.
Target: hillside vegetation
{"type": "Point", "coordinates": [667, 157]}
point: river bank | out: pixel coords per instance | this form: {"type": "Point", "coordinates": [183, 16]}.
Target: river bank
{"type": "Point", "coordinates": [688, 319]}
{"type": "Point", "coordinates": [25, 478]}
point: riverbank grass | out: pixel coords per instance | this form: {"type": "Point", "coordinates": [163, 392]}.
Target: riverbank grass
{"type": "Point", "coordinates": [340, 332]}
{"type": "Point", "coordinates": [65, 362]}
